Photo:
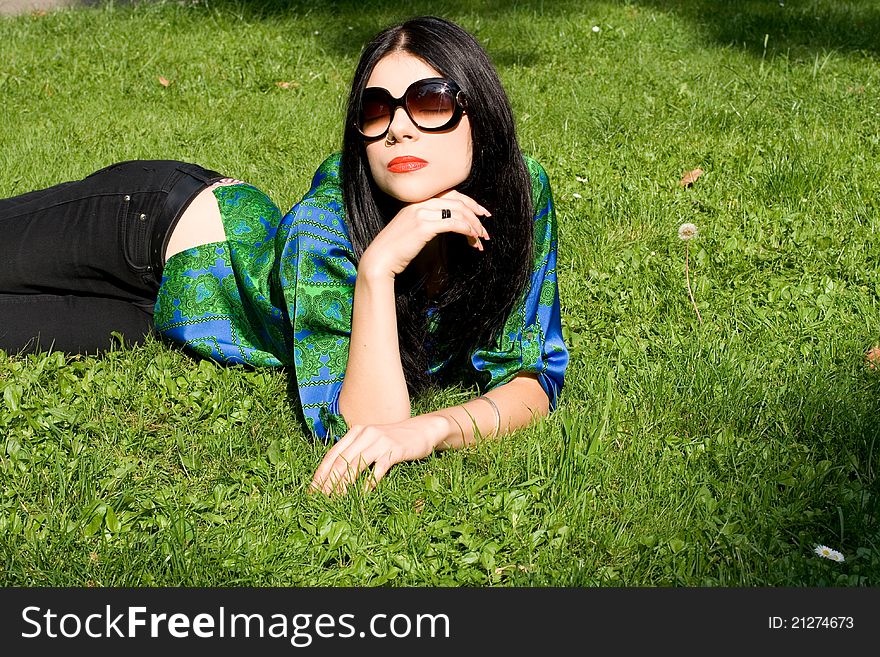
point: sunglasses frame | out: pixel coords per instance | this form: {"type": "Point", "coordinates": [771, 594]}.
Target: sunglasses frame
{"type": "Point", "coordinates": [458, 97]}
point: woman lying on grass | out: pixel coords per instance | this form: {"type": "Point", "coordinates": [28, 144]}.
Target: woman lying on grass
{"type": "Point", "coordinates": [423, 254]}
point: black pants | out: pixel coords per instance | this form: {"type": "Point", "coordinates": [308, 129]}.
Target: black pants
{"type": "Point", "coordinates": [83, 259]}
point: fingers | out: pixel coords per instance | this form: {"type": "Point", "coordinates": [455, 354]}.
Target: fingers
{"type": "Point", "coordinates": [475, 207]}
{"type": "Point", "coordinates": [359, 449]}
{"type": "Point", "coordinates": [380, 469]}
{"type": "Point", "coordinates": [330, 457]}
{"type": "Point", "coordinates": [462, 219]}
{"type": "Point", "coordinates": [338, 473]}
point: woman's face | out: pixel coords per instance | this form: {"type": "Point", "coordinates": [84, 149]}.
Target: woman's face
{"type": "Point", "coordinates": [446, 156]}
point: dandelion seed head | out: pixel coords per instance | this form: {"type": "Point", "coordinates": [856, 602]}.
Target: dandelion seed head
{"type": "Point", "coordinates": [687, 231]}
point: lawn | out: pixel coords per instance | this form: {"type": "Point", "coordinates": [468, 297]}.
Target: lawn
{"type": "Point", "coordinates": [709, 448]}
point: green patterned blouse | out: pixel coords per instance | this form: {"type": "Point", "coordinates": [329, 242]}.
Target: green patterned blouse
{"type": "Point", "coordinates": [279, 291]}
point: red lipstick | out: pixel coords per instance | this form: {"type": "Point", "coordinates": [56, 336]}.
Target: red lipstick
{"type": "Point", "coordinates": [406, 163]}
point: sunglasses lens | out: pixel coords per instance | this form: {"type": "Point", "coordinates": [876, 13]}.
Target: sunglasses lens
{"type": "Point", "coordinates": [375, 112]}
{"type": "Point", "coordinates": [431, 105]}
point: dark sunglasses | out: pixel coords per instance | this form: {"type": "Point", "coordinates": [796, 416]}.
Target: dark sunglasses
{"type": "Point", "coordinates": [432, 104]}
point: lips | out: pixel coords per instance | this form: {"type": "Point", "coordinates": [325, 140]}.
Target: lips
{"type": "Point", "coordinates": [406, 163]}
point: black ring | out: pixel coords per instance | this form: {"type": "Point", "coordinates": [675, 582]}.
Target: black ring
{"type": "Point", "coordinates": [445, 213]}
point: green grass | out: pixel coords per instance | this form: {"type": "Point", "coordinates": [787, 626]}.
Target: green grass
{"type": "Point", "coordinates": [685, 454]}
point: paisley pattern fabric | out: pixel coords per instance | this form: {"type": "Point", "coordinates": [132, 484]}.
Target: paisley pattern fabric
{"type": "Point", "coordinates": [279, 291]}
{"type": "Point", "coordinates": [221, 300]}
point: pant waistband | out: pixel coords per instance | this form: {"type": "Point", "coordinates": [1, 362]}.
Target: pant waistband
{"type": "Point", "coordinates": [190, 181]}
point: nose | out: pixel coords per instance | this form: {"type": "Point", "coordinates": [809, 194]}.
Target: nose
{"type": "Point", "coordinates": [401, 126]}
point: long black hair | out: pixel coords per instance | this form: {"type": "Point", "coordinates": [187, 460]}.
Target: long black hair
{"type": "Point", "coordinates": [480, 288]}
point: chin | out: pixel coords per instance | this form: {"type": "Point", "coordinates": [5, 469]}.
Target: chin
{"type": "Point", "coordinates": [414, 193]}
{"type": "Point", "coordinates": [415, 197]}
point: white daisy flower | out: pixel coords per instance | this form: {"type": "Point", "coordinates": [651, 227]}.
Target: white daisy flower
{"type": "Point", "coordinates": [596, 28]}
{"type": "Point", "coordinates": [828, 553]}
{"type": "Point", "coordinates": [687, 231]}
{"type": "Point", "coordinates": [576, 195]}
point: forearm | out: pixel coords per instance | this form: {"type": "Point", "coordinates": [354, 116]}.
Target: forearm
{"type": "Point", "coordinates": [519, 403]}
{"type": "Point", "coordinates": [379, 447]}
{"type": "Point", "coordinates": [374, 390]}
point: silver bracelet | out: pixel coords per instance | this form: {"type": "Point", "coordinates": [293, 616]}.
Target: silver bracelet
{"type": "Point", "coordinates": [497, 413]}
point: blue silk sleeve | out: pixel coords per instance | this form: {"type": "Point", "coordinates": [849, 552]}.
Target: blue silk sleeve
{"type": "Point", "coordinates": [317, 278]}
